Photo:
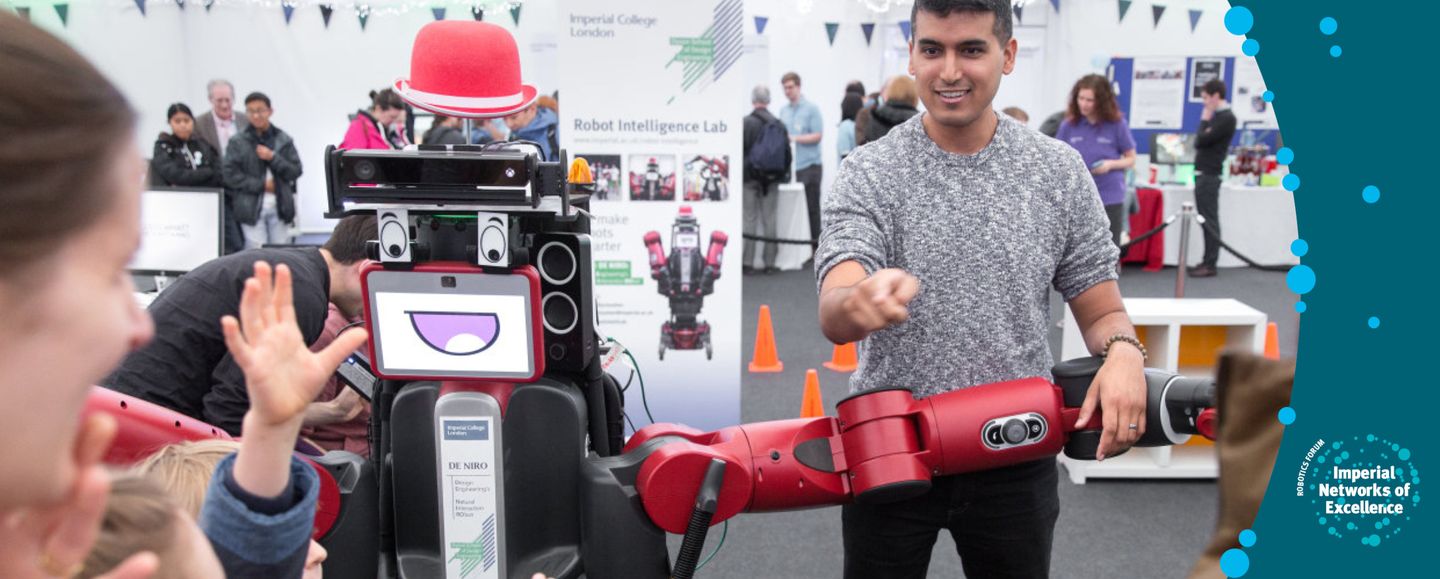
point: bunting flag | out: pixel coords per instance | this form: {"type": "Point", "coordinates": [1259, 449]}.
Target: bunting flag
{"type": "Point", "coordinates": [208, 4]}
{"type": "Point", "coordinates": [289, 11]}
{"type": "Point", "coordinates": [869, 29]}
{"type": "Point", "coordinates": [515, 13]}
{"type": "Point", "coordinates": [23, 11]}
{"type": "Point", "coordinates": [830, 29]}
{"type": "Point", "coordinates": [326, 10]}
{"type": "Point", "coordinates": [478, 12]}
{"type": "Point", "coordinates": [1019, 13]}
{"type": "Point", "coordinates": [438, 12]}
{"type": "Point", "coordinates": [1124, 7]}
{"type": "Point", "coordinates": [1159, 11]}
{"type": "Point", "coordinates": [63, 10]}
{"type": "Point", "coordinates": [364, 15]}
{"type": "Point", "coordinates": [1195, 19]}
{"type": "Point", "coordinates": [181, 4]}
{"type": "Point", "coordinates": [141, 4]}
{"type": "Point", "coordinates": [905, 30]}
{"type": "Point", "coordinates": [760, 22]}
{"type": "Point", "coordinates": [1056, 4]}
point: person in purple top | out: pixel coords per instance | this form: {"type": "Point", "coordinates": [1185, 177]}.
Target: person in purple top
{"type": "Point", "coordinates": [1094, 126]}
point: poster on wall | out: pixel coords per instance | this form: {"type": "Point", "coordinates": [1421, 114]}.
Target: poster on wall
{"type": "Point", "coordinates": [1157, 93]}
{"type": "Point", "coordinates": [1203, 70]}
{"type": "Point", "coordinates": [648, 90]}
{"type": "Point", "coordinates": [1247, 98]}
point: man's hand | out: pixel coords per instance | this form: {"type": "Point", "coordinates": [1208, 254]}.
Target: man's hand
{"type": "Point", "coordinates": [348, 404]}
{"type": "Point", "coordinates": [1119, 388]}
{"type": "Point", "coordinates": [881, 300]}
{"type": "Point", "coordinates": [1207, 113]}
{"type": "Point", "coordinates": [54, 541]}
{"type": "Point", "coordinates": [264, 152]}
{"type": "Point", "coordinates": [282, 375]}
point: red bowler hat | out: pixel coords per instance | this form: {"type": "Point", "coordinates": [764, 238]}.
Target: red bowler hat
{"type": "Point", "coordinates": [466, 69]}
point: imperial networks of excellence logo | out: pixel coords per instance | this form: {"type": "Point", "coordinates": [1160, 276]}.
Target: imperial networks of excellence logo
{"type": "Point", "coordinates": [1365, 488]}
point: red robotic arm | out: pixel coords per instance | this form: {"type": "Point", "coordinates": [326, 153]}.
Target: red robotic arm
{"type": "Point", "coordinates": [885, 445]}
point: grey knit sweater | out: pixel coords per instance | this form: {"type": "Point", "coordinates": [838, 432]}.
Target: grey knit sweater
{"type": "Point", "coordinates": [988, 235]}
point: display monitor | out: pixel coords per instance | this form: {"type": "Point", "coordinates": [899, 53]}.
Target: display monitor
{"type": "Point", "coordinates": [453, 323]}
{"type": "Point", "coordinates": [180, 228]}
{"type": "Point", "coordinates": [1172, 148]}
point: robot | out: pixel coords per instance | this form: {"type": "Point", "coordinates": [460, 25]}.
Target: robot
{"type": "Point", "coordinates": [496, 434]}
{"type": "Point", "coordinates": [652, 185]}
{"type": "Point", "coordinates": [685, 277]}
{"type": "Point", "coordinates": [712, 178]}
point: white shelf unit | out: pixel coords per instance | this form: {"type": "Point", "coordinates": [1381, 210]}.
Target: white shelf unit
{"type": "Point", "coordinates": [1161, 321]}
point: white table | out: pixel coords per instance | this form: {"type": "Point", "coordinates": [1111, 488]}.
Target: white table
{"type": "Point", "coordinates": [792, 222]}
{"type": "Point", "coordinates": [1162, 320]}
{"type": "Point", "coordinates": [1257, 221]}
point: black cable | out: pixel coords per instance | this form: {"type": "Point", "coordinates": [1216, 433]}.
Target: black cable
{"type": "Point", "coordinates": [626, 387]}
{"type": "Point", "coordinates": [810, 242]}
{"type": "Point", "coordinates": [631, 422]}
{"type": "Point", "coordinates": [1143, 236]}
{"type": "Point", "coordinates": [1250, 262]}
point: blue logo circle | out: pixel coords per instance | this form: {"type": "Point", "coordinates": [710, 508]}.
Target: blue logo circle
{"type": "Point", "coordinates": [1285, 156]}
{"type": "Point", "coordinates": [1335, 51]}
{"type": "Point", "coordinates": [1247, 538]}
{"type": "Point", "coordinates": [1234, 563]}
{"type": "Point", "coordinates": [1370, 194]}
{"type": "Point", "coordinates": [1291, 182]}
{"type": "Point", "coordinates": [1328, 26]}
{"type": "Point", "coordinates": [1239, 20]}
{"type": "Point", "coordinates": [1300, 307]}
{"type": "Point", "coordinates": [1301, 279]}
{"type": "Point", "coordinates": [1287, 416]}
{"type": "Point", "coordinates": [1374, 322]}
{"type": "Point", "coordinates": [1299, 247]}
{"type": "Point", "coordinates": [1251, 47]}
{"type": "Point", "coordinates": [1268, 95]}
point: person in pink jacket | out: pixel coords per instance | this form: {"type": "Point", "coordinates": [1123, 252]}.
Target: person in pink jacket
{"type": "Point", "coordinates": [369, 128]}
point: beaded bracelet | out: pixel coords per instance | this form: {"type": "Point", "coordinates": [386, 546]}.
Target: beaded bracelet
{"type": "Point", "coordinates": [1132, 340]}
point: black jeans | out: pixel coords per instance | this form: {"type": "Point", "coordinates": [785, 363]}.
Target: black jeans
{"type": "Point", "coordinates": [1207, 202]}
{"type": "Point", "coordinates": [1002, 520]}
{"type": "Point", "coordinates": [810, 177]}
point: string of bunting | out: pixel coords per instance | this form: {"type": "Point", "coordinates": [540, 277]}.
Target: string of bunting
{"type": "Point", "coordinates": [832, 28]}
{"type": "Point", "coordinates": [327, 8]}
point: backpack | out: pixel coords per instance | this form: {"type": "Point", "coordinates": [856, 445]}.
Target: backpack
{"type": "Point", "coordinates": [769, 155]}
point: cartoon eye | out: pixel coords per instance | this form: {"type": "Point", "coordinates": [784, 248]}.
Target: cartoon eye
{"type": "Point", "coordinates": [456, 333]}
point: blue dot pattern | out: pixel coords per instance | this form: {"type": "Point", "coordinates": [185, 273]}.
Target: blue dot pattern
{"type": "Point", "coordinates": [1335, 51]}
{"type": "Point", "coordinates": [1328, 26]}
{"type": "Point", "coordinates": [1300, 307]}
{"type": "Point", "coordinates": [1286, 416]}
{"type": "Point", "coordinates": [1370, 194]}
{"type": "Point", "coordinates": [1234, 563]}
{"type": "Point", "coordinates": [1299, 247]}
{"type": "Point", "coordinates": [1269, 96]}
{"type": "Point", "coordinates": [1251, 47]}
{"type": "Point", "coordinates": [1301, 279]}
{"type": "Point", "coordinates": [1285, 156]}
{"type": "Point", "coordinates": [1374, 322]}
{"type": "Point", "coordinates": [1239, 20]}
{"type": "Point", "coordinates": [1247, 538]}
{"type": "Point", "coordinates": [1291, 182]}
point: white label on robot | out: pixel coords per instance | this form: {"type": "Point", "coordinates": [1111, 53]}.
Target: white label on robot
{"type": "Point", "coordinates": [467, 470]}
{"type": "Point", "coordinates": [453, 332]}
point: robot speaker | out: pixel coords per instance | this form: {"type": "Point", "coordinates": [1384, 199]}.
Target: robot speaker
{"type": "Point", "coordinates": [566, 302]}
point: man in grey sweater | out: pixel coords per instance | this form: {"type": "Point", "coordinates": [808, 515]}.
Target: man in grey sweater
{"type": "Point", "coordinates": [940, 244]}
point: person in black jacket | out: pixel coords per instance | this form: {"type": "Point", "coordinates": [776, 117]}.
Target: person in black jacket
{"type": "Point", "coordinates": [900, 100]}
{"type": "Point", "coordinates": [181, 158]}
{"type": "Point", "coordinates": [1212, 145]}
{"type": "Point", "coordinates": [762, 188]}
{"type": "Point", "coordinates": [261, 168]}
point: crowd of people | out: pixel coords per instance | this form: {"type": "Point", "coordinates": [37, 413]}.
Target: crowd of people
{"type": "Point", "coordinates": [258, 164]}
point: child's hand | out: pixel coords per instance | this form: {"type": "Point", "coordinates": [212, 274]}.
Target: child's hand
{"type": "Point", "coordinates": [281, 374]}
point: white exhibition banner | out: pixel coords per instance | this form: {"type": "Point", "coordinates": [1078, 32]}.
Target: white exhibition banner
{"type": "Point", "coordinates": [1157, 93]}
{"type": "Point", "coordinates": [648, 89]}
{"type": "Point", "coordinates": [1247, 98]}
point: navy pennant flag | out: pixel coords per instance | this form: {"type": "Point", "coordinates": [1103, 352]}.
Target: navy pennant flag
{"type": "Point", "coordinates": [869, 29]}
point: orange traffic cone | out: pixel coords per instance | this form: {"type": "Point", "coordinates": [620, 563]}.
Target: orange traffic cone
{"type": "Point", "coordinates": [1272, 341]}
{"type": "Point", "coordinates": [812, 406]}
{"type": "Point", "coordinates": [843, 359]}
{"type": "Point", "coordinates": [765, 358]}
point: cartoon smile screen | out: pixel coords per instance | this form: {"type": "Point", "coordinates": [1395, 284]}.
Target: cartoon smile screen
{"type": "Point", "coordinates": [451, 325]}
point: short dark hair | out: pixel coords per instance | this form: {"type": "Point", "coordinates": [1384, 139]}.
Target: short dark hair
{"type": "Point", "coordinates": [850, 106]}
{"type": "Point", "coordinates": [178, 108]}
{"type": "Point", "coordinates": [347, 242]}
{"type": "Point", "coordinates": [386, 100]}
{"type": "Point", "coordinates": [855, 87]}
{"type": "Point", "coordinates": [1004, 23]}
{"type": "Point", "coordinates": [790, 77]}
{"type": "Point", "coordinates": [1214, 86]}
{"type": "Point", "coordinates": [258, 96]}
